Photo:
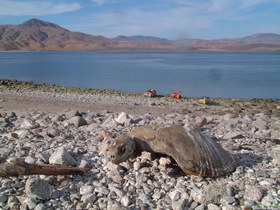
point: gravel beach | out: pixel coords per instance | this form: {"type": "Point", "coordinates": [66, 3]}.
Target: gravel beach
{"type": "Point", "coordinates": [69, 126]}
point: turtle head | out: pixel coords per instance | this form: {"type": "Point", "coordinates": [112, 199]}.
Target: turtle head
{"type": "Point", "coordinates": [121, 149]}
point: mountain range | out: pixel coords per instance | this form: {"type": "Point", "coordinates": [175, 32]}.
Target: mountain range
{"type": "Point", "coordinates": [38, 35]}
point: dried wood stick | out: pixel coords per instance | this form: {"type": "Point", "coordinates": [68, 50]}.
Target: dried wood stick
{"type": "Point", "coordinates": [20, 167]}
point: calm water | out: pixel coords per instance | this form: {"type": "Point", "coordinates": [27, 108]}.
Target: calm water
{"type": "Point", "coordinates": [213, 74]}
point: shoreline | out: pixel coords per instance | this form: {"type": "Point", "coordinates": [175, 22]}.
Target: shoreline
{"type": "Point", "coordinates": [21, 95]}
{"type": "Point", "coordinates": [17, 84]}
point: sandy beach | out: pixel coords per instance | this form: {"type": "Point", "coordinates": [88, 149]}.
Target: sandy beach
{"type": "Point", "coordinates": [37, 122]}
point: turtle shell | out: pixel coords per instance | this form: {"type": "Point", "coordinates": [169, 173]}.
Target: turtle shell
{"type": "Point", "coordinates": [194, 152]}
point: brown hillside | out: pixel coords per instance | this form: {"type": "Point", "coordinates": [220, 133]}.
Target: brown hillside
{"type": "Point", "coordinates": [38, 35]}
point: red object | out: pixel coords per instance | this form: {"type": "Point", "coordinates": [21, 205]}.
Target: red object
{"type": "Point", "coordinates": [151, 93]}
{"type": "Point", "coordinates": [176, 95]}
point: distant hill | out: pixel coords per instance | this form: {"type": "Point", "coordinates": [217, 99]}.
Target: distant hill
{"type": "Point", "coordinates": [143, 39]}
{"type": "Point", "coordinates": [40, 35]}
{"type": "Point", "coordinates": [261, 41]}
{"type": "Point", "coordinates": [265, 38]}
{"type": "Point", "coordinates": [37, 35]}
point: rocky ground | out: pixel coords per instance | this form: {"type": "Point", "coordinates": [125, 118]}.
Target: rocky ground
{"type": "Point", "coordinates": [54, 125]}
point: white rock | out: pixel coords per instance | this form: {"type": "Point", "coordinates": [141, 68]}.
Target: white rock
{"type": "Point", "coordinates": [137, 165]}
{"type": "Point", "coordinates": [275, 152]}
{"type": "Point", "coordinates": [119, 192]}
{"type": "Point", "coordinates": [197, 195]}
{"type": "Point", "coordinates": [181, 204]}
{"type": "Point", "coordinates": [57, 118]}
{"type": "Point", "coordinates": [157, 195]}
{"type": "Point", "coordinates": [200, 207]}
{"type": "Point", "coordinates": [22, 133]}
{"type": "Point", "coordinates": [61, 156]}
{"type": "Point", "coordinates": [145, 198]}
{"type": "Point", "coordinates": [12, 202]}
{"type": "Point", "coordinates": [164, 161]}
{"type": "Point", "coordinates": [212, 206]}
{"type": "Point", "coordinates": [146, 156]}
{"type": "Point", "coordinates": [84, 164]}
{"type": "Point", "coordinates": [102, 190]}
{"type": "Point", "coordinates": [125, 201]}
{"type": "Point", "coordinates": [229, 207]}
{"type": "Point", "coordinates": [253, 193]}
{"type": "Point", "coordinates": [200, 121]}
{"type": "Point", "coordinates": [174, 195]}
{"type": "Point", "coordinates": [122, 118]}
{"type": "Point", "coordinates": [29, 159]}
{"type": "Point", "coordinates": [249, 203]}
{"type": "Point", "coordinates": [88, 198]}
{"type": "Point", "coordinates": [103, 146]}
{"type": "Point", "coordinates": [265, 183]}
{"type": "Point", "coordinates": [87, 189]}
{"type": "Point", "coordinates": [30, 202]}
{"type": "Point", "coordinates": [268, 200]}
{"type": "Point", "coordinates": [29, 124]}
{"type": "Point", "coordinates": [228, 117]}
{"type": "Point", "coordinates": [72, 113]}
{"type": "Point", "coordinates": [78, 121]}
{"type": "Point", "coordinates": [109, 123]}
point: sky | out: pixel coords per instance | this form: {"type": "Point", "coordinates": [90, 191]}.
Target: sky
{"type": "Point", "coordinates": [172, 19]}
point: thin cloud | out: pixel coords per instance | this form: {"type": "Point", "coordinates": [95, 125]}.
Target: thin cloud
{"type": "Point", "coordinates": [220, 5]}
{"type": "Point", "coordinates": [157, 23]}
{"type": "Point", "coordinates": [250, 3]}
{"type": "Point", "coordinates": [164, 18]}
{"type": "Point", "coordinates": [100, 2]}
{"type": "Point", "coordinates": [36, 8]}
{"type": "Point", "coordinates": [181, 17]}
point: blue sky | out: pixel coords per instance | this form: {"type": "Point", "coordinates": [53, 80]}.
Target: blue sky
{"type": "Point", "coordinates": [172, 19]}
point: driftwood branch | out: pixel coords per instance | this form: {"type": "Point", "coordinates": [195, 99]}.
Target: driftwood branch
{"type": "Point", "coordinates": [20, 167]}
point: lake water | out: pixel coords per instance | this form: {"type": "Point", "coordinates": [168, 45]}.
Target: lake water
{"type": "Point", "coordinates": [214, 74]}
